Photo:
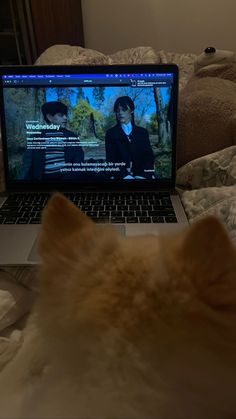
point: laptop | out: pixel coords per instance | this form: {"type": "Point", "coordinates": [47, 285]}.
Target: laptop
{"type": "Point", "coordinates": [105, 136]}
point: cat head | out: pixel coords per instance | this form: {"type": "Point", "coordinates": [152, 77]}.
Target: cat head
{"type": "Point", "coordinates": [92, 276]}
{"type": "Point", "coordinates": [169, 301]}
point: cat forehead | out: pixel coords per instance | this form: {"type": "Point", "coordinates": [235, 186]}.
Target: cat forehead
{"type": "Point", "coordinates": [141, 246]}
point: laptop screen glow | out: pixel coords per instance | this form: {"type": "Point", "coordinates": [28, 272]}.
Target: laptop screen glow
{"type": "Point", "coordinates": [89, 127]}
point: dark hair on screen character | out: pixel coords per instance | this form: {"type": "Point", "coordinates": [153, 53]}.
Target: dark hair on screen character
{"type": "Point", "coordinates": [52, 108]}
{"type": "Point", "coordinates": [124, 102]}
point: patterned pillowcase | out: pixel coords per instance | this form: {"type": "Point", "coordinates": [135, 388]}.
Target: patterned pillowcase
{"type": "Point", "coordinates": [216, 169]}
{"type": "Point", "coordinates": [68, 55]}
{"type": "Point", "coordinates": [185, 62]}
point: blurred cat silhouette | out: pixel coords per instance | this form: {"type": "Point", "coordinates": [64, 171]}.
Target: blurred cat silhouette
{"type": "Point", "coordinates": [127, 327]}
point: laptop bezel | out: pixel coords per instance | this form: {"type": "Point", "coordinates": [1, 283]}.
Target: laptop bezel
{"type": "Point", "coordinates": [160, 184]}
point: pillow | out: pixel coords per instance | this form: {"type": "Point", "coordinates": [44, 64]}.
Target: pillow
{"type": "Point", "coordinates": [185, 62]}
{"type": "Point", "coordinates": [216, 169]}
{"type": "Point", "coordinates": [139, 55]}
{"type": "Point", "coordinates": [15, 301]}
{"type": "Point", "coordinates": [68, 55]}
{"type": "Point", "coordinates": [207, 113]}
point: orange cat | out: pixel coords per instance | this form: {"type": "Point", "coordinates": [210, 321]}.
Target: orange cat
{"type": "Point", "coordinates": [140, 327]}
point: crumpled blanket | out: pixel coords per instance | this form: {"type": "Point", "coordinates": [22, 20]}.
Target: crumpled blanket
{"type": "Point", "coordinates": [9, 346]}
{"type": "Point", "coordinates": [16, 300]}
{"type": "Point", "coordinates": [211, 181]}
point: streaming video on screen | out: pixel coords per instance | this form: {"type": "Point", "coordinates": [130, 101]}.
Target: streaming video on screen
{"type": "Point", "coordinates": [89, 133]}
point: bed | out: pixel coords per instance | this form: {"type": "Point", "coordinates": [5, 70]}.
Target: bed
{"type": "Point", "coordinates": [206, 184]}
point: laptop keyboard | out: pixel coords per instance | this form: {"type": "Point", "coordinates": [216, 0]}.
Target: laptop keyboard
{"type": "Point", "coordinates": [102, 207]}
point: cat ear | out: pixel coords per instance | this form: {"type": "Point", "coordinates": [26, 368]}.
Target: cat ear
{"type": "Point", "coordinates": [61, 216]}
{"type": "Point", "coordinates": [61, 221]}
{"type": "Point", "coordinates": [205, 255]}
{"type": "Point", "coordinates": [210, 259]}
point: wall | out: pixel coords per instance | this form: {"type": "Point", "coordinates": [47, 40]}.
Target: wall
{"type": "Point", "coordinates": [172, 25]}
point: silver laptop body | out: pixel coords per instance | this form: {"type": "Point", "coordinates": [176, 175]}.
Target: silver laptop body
{"type": "Point", "coordinates": [84, 130]}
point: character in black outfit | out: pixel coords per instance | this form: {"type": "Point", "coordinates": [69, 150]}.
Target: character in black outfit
{"type": "Point", "coordinates": [47, 162]}
{"type": "Point", "coordinates": [128, 143]}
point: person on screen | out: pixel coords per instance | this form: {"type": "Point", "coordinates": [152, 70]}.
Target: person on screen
{"type": "Point", "coordinates": [49, 162]}
{"type": "Point", "coordinates": [128, 143]}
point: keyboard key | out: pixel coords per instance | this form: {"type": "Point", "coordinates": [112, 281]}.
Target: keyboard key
{"type": "Point", "coordinates": [161, 213]}
{"type": "Point", "coordinates": [37, 208]}
{"type": "Point", "coordinates": [116, 213]}
{"type": "Point", "coordinates": [171, 219]}
{"type": "Point", "coordinates": [122, 207]}
{"type": "Point", "coordinates": [22, 221]}
{"type": "Point", "coordinates": [103, 220]}
{"type": "Point", "coordinates": [110, 207]}
{"type": "Point", "coordinates": [29, 215]}
{"type": "Point", "coordinates": [12, 200]}
{"type": "Point", "coordinates": [146, 207]}
{"type": "Point", "coordinates": [120, 202]}
{"type": "Point", "coordinates": [98, 208]}
{"type": "Point", "coordinates": [92, 214]}
{"type": "Point", "coordinates": [102, 214]}
{"type": "Point", "coordinates": [166, 201]}
{"type": "Point", "coordinates": [156, 213]}
{"type": "Point", "coordinates": [162, 208]}
{"type": "Point", "coordinates": [141, 213]}
{"type": "Point", "coordinates": [120, 220]}
{"type": "Point", "coordinates": [132, 219]}
{"type": "Point", "coordinates": [7, 212]}
{"type": "Point", "coordinates": [144, 202]}
{"type": "Point", "coordinates": [10, 220]}
{"type": "Point", "coordinates": [158, 219]}
{"type": "Point", "coordinates": [129, 213]}
{"type": "Point", "coordinates": [26, 209]}
{"type": "Point", "coordinates": [35, 221]}
{"type": "Point", "coordinates": [85, 207]}
{"type": "Point", "coordinates": [10, 205]}
{"type": "Point", "coordinates": [145, 220]}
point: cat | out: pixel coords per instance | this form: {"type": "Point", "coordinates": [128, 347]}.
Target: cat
{"type": "Point", "coordinates": [127, 327]}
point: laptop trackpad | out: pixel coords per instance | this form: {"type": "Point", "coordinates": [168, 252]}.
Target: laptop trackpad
{"type": "Point", "coordinates": [120, 229]}
{"type": "Point", "coordinates": [34, 256]}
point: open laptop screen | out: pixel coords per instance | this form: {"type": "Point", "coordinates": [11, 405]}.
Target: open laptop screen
{"type": "Point", "coordinates": [89, 124]}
